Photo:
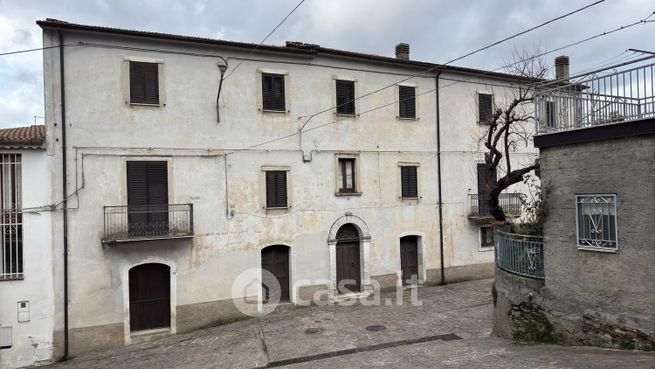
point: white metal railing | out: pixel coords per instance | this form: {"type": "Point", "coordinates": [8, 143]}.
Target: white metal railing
{"type": "Point", "coordinates": [596, 100]}
{"type": "Point", "coordinates": [520, 254]}
{"type": "Point", "coordinates": [11, 218]}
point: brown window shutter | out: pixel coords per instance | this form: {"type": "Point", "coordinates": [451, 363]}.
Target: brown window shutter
{"type": "Point", "coordinates": [407, 101]}
{"type": "Point", "coordinates": [485, 107]}
{"type": "Point", "coordinates": [409, 181]}
{"type": "Point", "coordinates": [345, 97]}
{"type": "Point", "coordinates": [273, 92]}
{"type": "Point", "coordinates": [276, 189]}
{"type": "Point", "coordinates": [144, 83]}
{"type": "Point", "coordinates": [147, 183]}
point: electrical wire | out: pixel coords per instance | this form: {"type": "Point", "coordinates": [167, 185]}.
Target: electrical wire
{"type": "Point", "coordinates": [265, 38]}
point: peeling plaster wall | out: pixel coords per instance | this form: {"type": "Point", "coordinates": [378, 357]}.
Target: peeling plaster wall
{"type": "Point", "coordinates": [104, 131]}
{"type": "Point", "coordinates": [31, 341]}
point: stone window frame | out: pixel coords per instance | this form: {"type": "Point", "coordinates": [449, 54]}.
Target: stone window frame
{"type": "Point", "coordinates": [126, 80]}
{"type": "Point", "coordinates": [260, 92]}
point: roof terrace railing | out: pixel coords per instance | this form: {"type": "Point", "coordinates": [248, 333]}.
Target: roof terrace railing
{"type": "Point", "coordinates": [596, 100]}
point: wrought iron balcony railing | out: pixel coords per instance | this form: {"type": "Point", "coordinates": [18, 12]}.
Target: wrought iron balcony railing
{"type": "Point", "coordinates": [520, 254]}
{"type": "Point", "coordinates": [510, 202]}
{"type": "Point", "coordinates": [126, 223]}
{"type": "Point", "coordinates": [596, 100]}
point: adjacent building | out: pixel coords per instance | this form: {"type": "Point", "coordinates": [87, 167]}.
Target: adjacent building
{"type": "Point", "coordinates": [191, 162]}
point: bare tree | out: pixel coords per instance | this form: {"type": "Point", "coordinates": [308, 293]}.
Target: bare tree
{"type": "Point", "coordinates": [510, 125]}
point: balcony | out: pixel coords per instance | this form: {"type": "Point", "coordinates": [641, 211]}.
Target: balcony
{"type": "Point", "coordinates": [594, 100]}
{"type": "Point", "coordinates": [128, 223]}
{"type": "Point", "coordinates": [479, 211]}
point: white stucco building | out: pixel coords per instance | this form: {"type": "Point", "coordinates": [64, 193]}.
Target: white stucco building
{"type": "Point", "coordinates": [26, 284]}
{"type": "Point", "coordinates": [173, 193]}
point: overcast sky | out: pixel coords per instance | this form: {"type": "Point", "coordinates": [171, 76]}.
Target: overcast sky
{"type": "Point", "coordinates": [437, 31]}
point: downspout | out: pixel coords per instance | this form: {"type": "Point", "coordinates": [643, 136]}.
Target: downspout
{"type": "Point", "coordinates": [64, 189]}
{"type": "Point", "coordinates": [441, 245]}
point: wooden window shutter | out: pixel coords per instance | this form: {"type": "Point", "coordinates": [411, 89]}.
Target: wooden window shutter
{"type": "Point", "coordinates": [276, 189]}
{"type": "Point", "coordinates": [144, 83]}
{"type": "Point", "coordinates": [345, 97]}
{"type": "Point", "coordinates": [407, 101]}
{"type": "Point", "coordinates": [273, 92]}
{"type": "Point", "coordinates": [147, 183]}
{"type": "Point", "coordinates": [409, 181]}
{"type": "Point", "coordinates": [485, 107]}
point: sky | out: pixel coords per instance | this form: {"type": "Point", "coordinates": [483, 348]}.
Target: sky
{"type": "Point", "coordinates": [437, 31]}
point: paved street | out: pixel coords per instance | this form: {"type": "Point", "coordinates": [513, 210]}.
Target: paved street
{"type": "Point", "coordinates": [450, 330]}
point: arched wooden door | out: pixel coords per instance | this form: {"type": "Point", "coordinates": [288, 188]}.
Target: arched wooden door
{"type": "Point", "coordinates": [409, 259]}
{"type": "Point", "coordinates": [275, 259]}
{"type": "Point", "coordinates": [349, 276]}
{"type": "Point", "coordinates": [150, 297]}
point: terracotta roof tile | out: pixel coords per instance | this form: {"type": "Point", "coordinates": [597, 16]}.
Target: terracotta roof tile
{"type": "Point", "coordinates": [32, 137]}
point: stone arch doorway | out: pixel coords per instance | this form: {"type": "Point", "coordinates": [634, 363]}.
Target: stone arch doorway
{"type": "Point", "coordinates": [150, 296]}
{"type": "Point", "coordinates": [275, 260]}
{"type": "Point", "coordinates": [357, 240]}
{"type": "Point", "coordinates": [349, 278]}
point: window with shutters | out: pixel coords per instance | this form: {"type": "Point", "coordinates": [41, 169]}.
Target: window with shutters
{"type": "Point", "coordinates": [485, 108]}
{"type": "Point", "coordinates": [346, 176]}
{"type": "Point", "coordinates": [409, 181]}
{"type": "Point", "coordinates": [147, 198]}
{"type": "Point", "coordinates": [276, 189]}
{"type": "Point", "coordinates": [407, 102]}
{"type": "Point", "coordinates": [273, 92]}
{"type": "Point", "coordinates": [144, 83]}
{"type": "Point", "coordinates": [487, 237]}
{"type": "Point", "coordinates": [345, 97]}
{"type": "Point", "coordinates": [11, 249]}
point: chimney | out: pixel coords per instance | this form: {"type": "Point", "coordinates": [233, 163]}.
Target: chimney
{"type": "Point", "coordinates": [562, 67]}
{"type": "Point", "coordinates": [402, 51]}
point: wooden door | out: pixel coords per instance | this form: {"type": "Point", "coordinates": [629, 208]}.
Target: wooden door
{"type": "Point", "coordinates": [150, 297]}
{"type": "Point", "coordinates": [275, 259]}
{"type": "Point", "coordinates": [348, 268]}
{"type": "Point", "coordinates": [409, 259]}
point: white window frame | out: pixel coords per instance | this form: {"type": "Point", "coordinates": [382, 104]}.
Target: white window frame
{"type": "Point", "coordinates": [481, 246]}
{"type": "Point", "coordinates": [597, 244]}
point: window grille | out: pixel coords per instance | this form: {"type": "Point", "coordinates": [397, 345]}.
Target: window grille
{"type": "Point", "coordinates": [596, 222]}
{"type": "Point", "coordinates": [11, 252]}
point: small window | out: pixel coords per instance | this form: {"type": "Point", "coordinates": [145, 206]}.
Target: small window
{"type": "Point", "coordinates": [487, 236]}
{"type": "Point", "coordinates": [144, 83]}
{"type": "Point", "coordinates": [551, 122]}
{"type": "Point", "coordinates": [345, 97]}
{"type": "Point", "coordinates": [596, 222]}
{"type": "Point", "coordinates": [485, 108]}
{"type": "Point", "coordinates": [346, 175]}
{"type": "Point", "coordinates": [273, 92]}
{"type": "Point", "coordinates": [407, 102]}
{"type": "Point", "coordinates": [276, 189]}
{"type": "Point", "coordinates": [409, 181]}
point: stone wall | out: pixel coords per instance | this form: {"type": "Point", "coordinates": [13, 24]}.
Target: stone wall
{"type": "Point", "coordinates": [592, 297]}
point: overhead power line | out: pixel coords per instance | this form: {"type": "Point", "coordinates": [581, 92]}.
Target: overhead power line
{"type": "Point", "coordinates": [265, 38]}
{"type": "Point", "coordinates": [456, 59]}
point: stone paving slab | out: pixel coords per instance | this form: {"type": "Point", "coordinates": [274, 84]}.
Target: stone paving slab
{"type": "Point", "coordinates": [336, 336]}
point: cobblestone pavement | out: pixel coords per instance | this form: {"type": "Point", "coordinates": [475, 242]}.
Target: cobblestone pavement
{"type": "Point", "coordinates": [449, 330]}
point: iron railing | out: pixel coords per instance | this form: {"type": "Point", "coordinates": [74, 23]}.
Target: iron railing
{"type": "Point", "coordinates": [520, 254]}
{"type": "Point", "coordinates": [142, 222]}
{"type": "Point", "coordinates": [510, 202]}
{"type": "Point", "coordinates": [11, 245]}
{"type": "Point", "coordinates": [596, 100]}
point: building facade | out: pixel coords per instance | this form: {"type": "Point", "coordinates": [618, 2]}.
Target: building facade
{"type": "Point", "coordinates": [26, 279]}
{"type": "Point", "coordinates": [191, 164]}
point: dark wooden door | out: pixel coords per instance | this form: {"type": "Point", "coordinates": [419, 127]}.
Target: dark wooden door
{"type": "Point", "coordinates": [150, 297]}
{"type": "Point", "coordinates": [147, 198]}
{"type": "Point", "coordinates": [409, 259]}
{"type": "Point", "coordinates": [348, 268]}
{"type": "Point", "coordinates": [275, 259]}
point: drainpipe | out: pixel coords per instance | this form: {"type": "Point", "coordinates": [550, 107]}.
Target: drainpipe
{"type": "Point", "coordinates": [443, 271]}
{"type": "Point", "coordinates": [64, 189]}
